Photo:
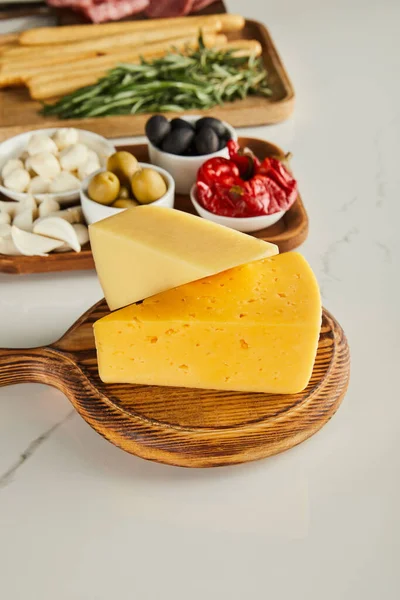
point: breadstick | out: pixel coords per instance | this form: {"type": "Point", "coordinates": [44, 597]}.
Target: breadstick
{"type": "Point", "coordinates": [244, 47]}
{"type": "Point", "coordinates": [74, 33]}
{"type": "Point", "coordinates": [50, 85]}
{"type": "Point", "coordinates": [61, 87]}
{"type": "Point", "coordinates": [17, 76]}
{"type": "Point", "coordinates": [101, 45]}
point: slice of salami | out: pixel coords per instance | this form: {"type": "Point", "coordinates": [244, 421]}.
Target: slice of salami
{"type": "Point", "coordinates": [168, 8]}
{"type": "Point", "coordinates": [200, 4]}
{"type": "Point", "coordinates": [113, 10]}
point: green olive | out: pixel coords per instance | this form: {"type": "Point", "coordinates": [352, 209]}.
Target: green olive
{"type": "Point", "coordinates": [124, 203]}
{"type": "Point", "coordinates": [148, 186]}
{"type": "Point", "coordinates": [124, 165]}
{"type": "Point", "coordinates": [124, 192]}
{"type": "Point", "coordinates": [104, 188]}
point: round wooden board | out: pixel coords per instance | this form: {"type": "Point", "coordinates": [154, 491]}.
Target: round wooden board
{"type": "Point", "coordinates": [182, 426]}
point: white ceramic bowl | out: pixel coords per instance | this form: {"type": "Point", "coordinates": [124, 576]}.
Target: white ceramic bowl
{"type": "Point", "coordinates": [244, 224]}
{"type": "Point", "coordinates": [15, 146]}
{"type": "Point", "coordinates": [93, 211]}
{"type": "Point", "coordinates": [184, 168]}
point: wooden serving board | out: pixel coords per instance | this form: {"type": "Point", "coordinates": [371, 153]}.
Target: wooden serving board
{"type": "Point", "coordinates": [182, 426]}
{"type": "Point", "coordinates": [18, 113]}
{"type": "Point", "coordinates": [288, 233]}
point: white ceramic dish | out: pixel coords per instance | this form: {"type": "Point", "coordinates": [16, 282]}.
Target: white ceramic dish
{"type": "Point", "coordinates": [244, 224]}
{"type": "Point", "coordinates": [184, 168]}
{"type": "Point", "coordinates": [15, 146]}
{"type": "Point", "coordinates": [93, 211]}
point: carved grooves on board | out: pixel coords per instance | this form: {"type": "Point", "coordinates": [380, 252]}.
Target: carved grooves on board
{"type": "Point", "coordinates": [181, 426]}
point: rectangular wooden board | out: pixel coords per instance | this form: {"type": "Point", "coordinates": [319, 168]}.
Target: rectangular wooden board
{"type": "Point", "coordinates": [18, 113]}
{"type": "Point", "coordinates": [288, 233]}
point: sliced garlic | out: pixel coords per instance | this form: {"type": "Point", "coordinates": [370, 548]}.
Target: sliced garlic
{"type": "Point", "coordinates": [64, 182]}
{"type": "Point", "coordinates": [5, 218]}
{"type": "Point", "coordinates": [17, 180]}
{"type": "Point", "coordinates": [24, 220]}
{"type": "Point", "coordinates": [39, 143]}
{"type": "Point", "coordinates": [73, 156]}
{"type": "Point", "coordinates": [59, 229]}
{"type": "Point", "coordinates": [38, 185]}
{"type": "Point", "coordinates": [47, 207]}
{"type": "Point", "coordinates": [93, 156]}
{"type": "Point", "coordinates": [44, 164]}
{"type": "Point", "coordinates": [11, 165]}
{"type": "Point", "coordinates": [31, 244]}
{"type": "Point", "coordinates": [66, 136]}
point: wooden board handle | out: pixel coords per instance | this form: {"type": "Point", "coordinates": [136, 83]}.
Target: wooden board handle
{"type": "Point", "coordinates": [29, 365]}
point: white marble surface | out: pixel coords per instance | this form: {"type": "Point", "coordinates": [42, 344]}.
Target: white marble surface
{"type": "Point", "coordinates": [81, 520]}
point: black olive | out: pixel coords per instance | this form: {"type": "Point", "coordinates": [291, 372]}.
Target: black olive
{"type": "Point", "coordinates": [157, 127]}
{"type": "Point", "coordinates": [177, 141]}
{"type": "Point", "coordinates": [224, 140]}
{"type": "Point", "coordinates": [215, 124]}
{"type": "Point", "coordinates": [181, 124]}
{"type": "Point", "coordinates": [206, 141]}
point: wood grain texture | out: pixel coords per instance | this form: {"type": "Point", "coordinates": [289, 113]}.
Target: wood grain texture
{"type": "Point", "coordinates": [18, 113]}
{"type": "Point", "coordinates": [182, 426]}
{"type": "Point", "coordinates": [288, 233]}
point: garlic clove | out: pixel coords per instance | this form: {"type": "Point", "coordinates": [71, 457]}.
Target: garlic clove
{"type": "Point", "coordinates": [27, 203]}
{"type": "Point", "coordinates": [38, 185]}
{"type": "Point", "coordinates": [44, 164]}
{"type": "Point", "coordinates": [5, 218]}
{"type": "Point", "coordinates": [47, 207]}
{"type": "Point", "coordinates": [31, 244]}
{"type": "Point", "coordinates": [8, 207]}
{"type": "Point", "coordinates": [5, 230]}
{"type": "Point", "coordinates": [17, 180]}
{"type": "Point", "coordinates": [40, 142]}
{"type": "Point", "coordinates": [73, 156]}
{"type": "Point", "coordinates": [7, 245]}
{"type": "Point", "coordinates": [11, 165]}
{"type": "Point", "coordinates": [24, 220]}
{"type": "Point", "coordinates": [82, 233]}
{"type": "Point", "coordinates": [66, 136]}
{"type": "Point", "coordinates": [64, 182]}
{"type": "Point", "coordinates": [73, 214]}
{"type": "Point", "coordinates": [54, 227]}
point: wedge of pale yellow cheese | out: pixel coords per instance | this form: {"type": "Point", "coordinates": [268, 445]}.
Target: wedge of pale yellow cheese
{"type": "Point", "coordinates": [252, 328]}
{"type": "Point", "coordinates": [146, 250]}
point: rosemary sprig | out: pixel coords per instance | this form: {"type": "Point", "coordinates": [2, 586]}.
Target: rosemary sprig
{"type": "Point", "coordinates": [197, 79]}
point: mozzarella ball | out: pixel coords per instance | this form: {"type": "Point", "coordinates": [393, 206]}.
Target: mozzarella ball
{"type": "Point", "coordinates": [45, 164]}
{"type": "Point", "coordinates": [64, 182]}
{"type": "Point", "coordinates": [72, 157]}
{"type": "Point", "coordinates": [39, 143]}
{"type": "Point", "coordinates": [18, 180]}
{"type": "Point", "coordinates": [88, 168]}
{"type": "Point", "coordinates": [38, 185]}
{"type": "Point", "coordinates": [67, 136]}
{"type": "Point", "coordinates": [11, 165]}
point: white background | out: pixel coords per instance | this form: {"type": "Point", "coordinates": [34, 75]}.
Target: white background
{"type": "Point", "coordinates": [81, 520]}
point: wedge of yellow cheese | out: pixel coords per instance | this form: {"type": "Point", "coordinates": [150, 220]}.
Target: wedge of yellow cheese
{"type": "Point", "coordinates": [252, 328]}
{"type": "Point", "coordinates": [146, 250]}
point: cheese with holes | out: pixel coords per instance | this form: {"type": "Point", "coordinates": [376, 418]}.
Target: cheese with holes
{"type": "Point", "coordinates": [252, 328]}
{"type": "Point", "coordinates": [148, 249]}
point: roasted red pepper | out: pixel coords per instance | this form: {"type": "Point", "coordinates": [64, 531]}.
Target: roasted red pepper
{"type": "Point", "coordinates": [244, 186]}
